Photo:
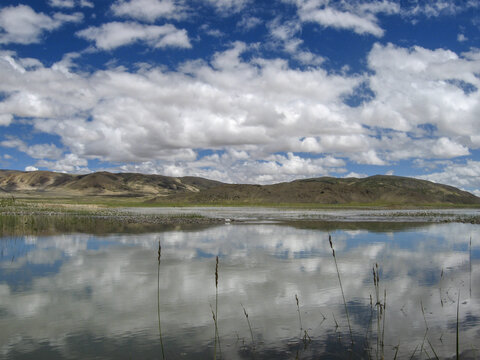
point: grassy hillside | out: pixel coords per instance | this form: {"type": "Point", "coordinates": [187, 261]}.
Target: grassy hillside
{"type": "Point", "coordinates": [163, 190]}
{"type": "Point", "coordinates": [100, 183]}
{"type": "Point", "coordinates": [375, 190]}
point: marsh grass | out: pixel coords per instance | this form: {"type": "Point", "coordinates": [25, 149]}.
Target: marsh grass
{"type": "Point", "coordinates": [215, 314]}
{"type": "Point", "coordinates": [158, 299]}
{"type": "Point", "coordinates": [250, 328]}
{"type": "Point", "coordinates": [341, 288]}
{"type": "Point", "coordinates": [457, 328]}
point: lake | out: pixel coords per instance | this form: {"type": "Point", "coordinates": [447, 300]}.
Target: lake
{"type": "Point", "coordinates": [79, 295]}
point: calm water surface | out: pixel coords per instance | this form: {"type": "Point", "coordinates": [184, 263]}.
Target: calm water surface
{"type": "Point", "coordinates": [93, 297]}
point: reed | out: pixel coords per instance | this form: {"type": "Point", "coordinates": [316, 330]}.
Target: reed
{"type": "Point", "coordinates": [158, 299]}
{"type": "Point", "coordinates": [299, 316]}
{"type": "Point", "coordinates": [457, 341]}
{"type": "Point", "coordinates": [378, 305]}
{"type": "Point", "coordinates": [433, 350]}
{"type": "Point", "coordinates": [341, 288]}
{"type": "Point", "coordinates": [470, 265]}
{"type": "Point", "coordinates": [250, 327]}
{"type": "Point", "coordinates": [426, 327]}
{"type": "Point", "coordinates": [383, 326]}
{"type": "Point", "coordinates": [215, 314]}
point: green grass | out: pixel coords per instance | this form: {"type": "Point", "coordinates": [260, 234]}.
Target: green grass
{"type": "Point", "coordinates": [126, 201]}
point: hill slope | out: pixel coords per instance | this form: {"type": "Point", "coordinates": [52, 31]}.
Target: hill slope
{"type": "Point", "coordinates": [100, 183]}
{"type": "Point", "coordinates": [327, 190]}
{"type": "Point", "coordinates": [375, 190]}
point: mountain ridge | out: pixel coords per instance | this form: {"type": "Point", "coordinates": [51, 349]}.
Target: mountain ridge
{"type": "Point", "coordinates": [154, 189]}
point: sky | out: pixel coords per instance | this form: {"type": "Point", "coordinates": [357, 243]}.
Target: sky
{"type": "Point", "coordinates": [242, 91]}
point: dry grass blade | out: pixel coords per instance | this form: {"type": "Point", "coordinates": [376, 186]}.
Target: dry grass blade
{"type": "Point", "coordinates": [457, 342]}
{"type": "Point", "coordinates": [158, 299]}
{"type": "Point", "coordinates": [341, 288]}
{"type": "Point", "coordinates": [250, 327]}
{"type": "Point", "coordinates": [431, 347]}
{"type": "Point", "coordinates": [299, 316]}
{"type": "Point", "coordinates": [215, 314]}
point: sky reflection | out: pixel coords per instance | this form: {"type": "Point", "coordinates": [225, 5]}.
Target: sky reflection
{"type": "Point", "coordinates": [84, 296]}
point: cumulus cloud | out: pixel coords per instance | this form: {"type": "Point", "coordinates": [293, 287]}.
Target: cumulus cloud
{"type": "Point", "coordinates": [70, 163]}
{"type": "Point", "coordinates": [465, 175]}
{"type": "Point", "coordinates": [255, 116]}
{"type": "Point", "coordinates": [286, 35]}
{"type": "Point", "coordinates": [359, 17]}
{"type": "Point", "coordinates": [62, 3]}
{"type": "Point", "coordinates": [37, 151]}
{"type": "Point", "coordinates": [248, 23]}
{"type": "Point", "coordinates": [116, 34]}
{"type": "Point", "coordinates": [22, 25]}
{"type": "Point", "coordinates": [343, 20]}
{"type": "Point", "coordinates": [149, 10]}
{"type": "Point", "coordinates": [227, 7]}
{"type": "Point", "coordinates": [416, 87]}
{"type": "Point", "coordinates": [461, 38]}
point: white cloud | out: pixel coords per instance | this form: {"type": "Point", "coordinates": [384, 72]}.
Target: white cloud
{"type": "Point", "coordinates": [156, 120]}
{"type": "Point", "coordinates": [461, 38]}
{"type": "Point", "coordinates": [70, 163]}
{"type": "Point", "coordinates": [357, 16]}
{"type": "Point", "coordinates": [241, 167]}
{"type": "Point", "coordinates": [285, 35]}
{"type": "Point", "coordinates": [462, 175]}
{"type": "Point", "coordinates": [149, 10]}
{"type": "Point", "coordinates": [62, 3]}
{"type": "Point", "coordinates": [329, 17]}
{"type": "Point", "coordinates": [361, 16]}
{"type": "Point", "coordinates": [87, 3]}
{"type": "Point", "coordinates": [5, 119]}
{"type": "Point", "coordinates": [38, 151]}
{"type": "Point", "coordinates": [355, 175]}
{"type": "Point", "coordinates": [248, 23]}
{"type": "Point", "coordinates": [437, 8]}
{"type": "Point", "coordinates": [21, 24]}
{"type": "Point", "coordinates": [417, 86]}
{"type": "Point", "coordinates": [115, 34]}
{"type": "Point", "coordinates": [31, 168]}
{"type": "Point", "coordinates": [227, 7]}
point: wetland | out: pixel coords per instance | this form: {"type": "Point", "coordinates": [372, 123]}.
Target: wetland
{"type": "Point", "coordinates": [94, 289]}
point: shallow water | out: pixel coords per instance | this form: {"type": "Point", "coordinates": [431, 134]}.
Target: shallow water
{"type": "Point", "coordinates": [266, 214]}
{"type": "Point", "coordinates": [92, 297]}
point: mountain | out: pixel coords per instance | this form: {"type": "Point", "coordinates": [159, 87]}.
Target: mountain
{"type": "Point", "coordinates": [374, 190]}
{"type": "Point", "coordinates": [379, 189]}
{"type": "Point", "coordinates": [100, 183]}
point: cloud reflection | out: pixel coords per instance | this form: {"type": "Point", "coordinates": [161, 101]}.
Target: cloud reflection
{"type": "Point", "coordinates": [106, 287]}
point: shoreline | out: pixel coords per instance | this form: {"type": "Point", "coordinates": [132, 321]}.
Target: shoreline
{"type": "Point", "coordinates": [219, 215]}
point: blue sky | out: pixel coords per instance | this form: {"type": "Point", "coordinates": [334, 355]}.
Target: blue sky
{"type": "Point", "coordinates": [242, 91]}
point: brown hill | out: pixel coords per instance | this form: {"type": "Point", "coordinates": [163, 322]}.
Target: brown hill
{"type": "Point", "coordinates": [100, 183]}
{"type": "Point", "coordinates": [379, 190]}
{"type": "Point", "coordinates": [327, 190]}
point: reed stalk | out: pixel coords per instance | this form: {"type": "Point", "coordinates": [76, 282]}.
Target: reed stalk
{"type": "Point", "coordinates": [457, 342]}
{"type": "Point", "coordinates": [158, 300]}
{"type": "Point", "coordinates": [299, 316]}
{"type": "Point", "coordinates": [431, 347]}
{"type": "Point", "coordinates": [341, 288]}
{"type": "Point", "coordinates": [470, 263]}
{"type": "Point", "coordinates": [383, 326]}
{"type": "Point", "coordinates": [414, 351]}
{"type": "Point", "coordinates": [215, 314]}
{"type": "Point", "coordinates": [396, 351]}
{"type": "Point", "coordinates": [250, 327]}
{"type": "Point", "coordinates": [378, 305]}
